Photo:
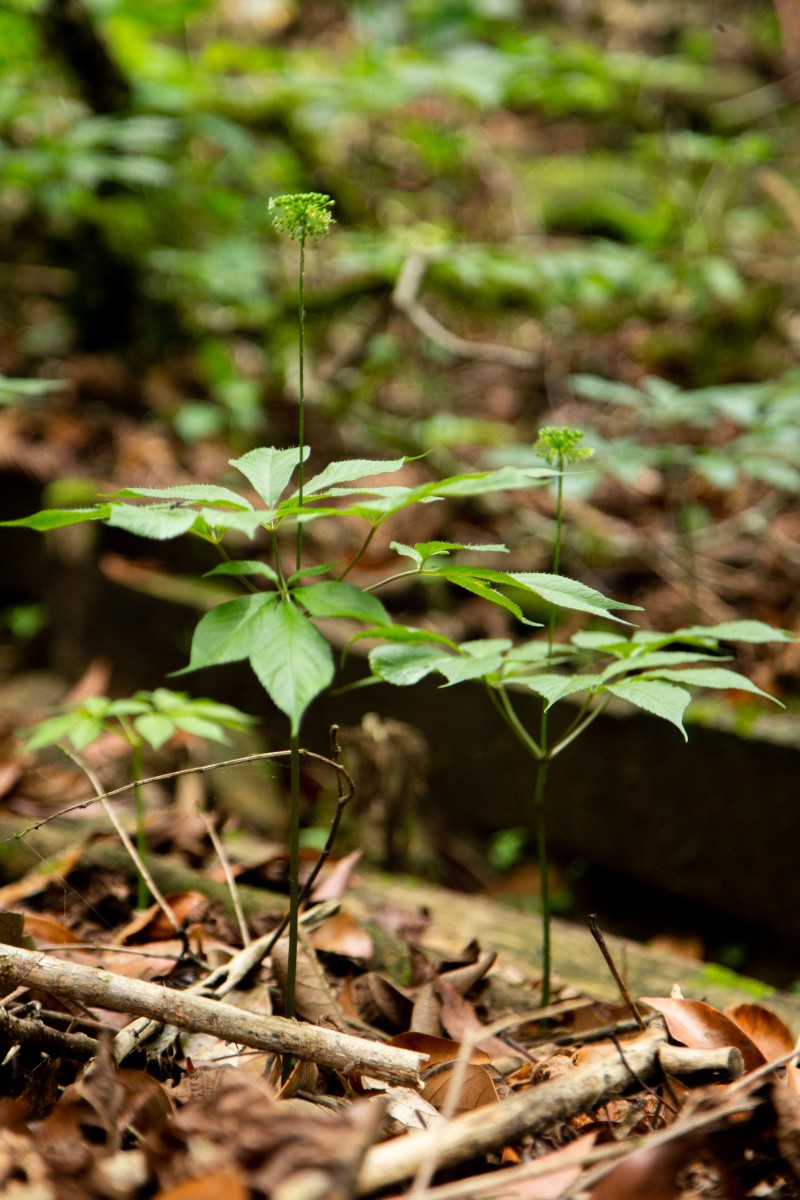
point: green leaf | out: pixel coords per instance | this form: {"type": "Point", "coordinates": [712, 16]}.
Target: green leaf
{"type": "Point", "coordinates": [482, 483]}
{"type": "Point", "coordinates": [408, 552]}
{"type": "Point", "coordinates": [247, 566]}
{"type": "Point", "coordinates": [223, 714]}
{"type": "Point", "coordinates": [293, 661]}
{"type": "Point", "coordinates": [192, 493]}
{"type": "Point", "coordinates": [465, 578]}
{"type": "Point", "coordinates": [56, 518]}
{"type": "Point", "coordinates": [199, 727]}
{"type": "Point", "coordinates": [569, 593]}
{"type": "Point", "coordinates": [151, 520]}
{"type": "Point", "coordinates": [340, 599]}
{"type": "Point", "coordinates": [86, 730]}
{"type": "Point", "coordinates": [710, 677]}
{"type": "Point", "coordinates": [423, 551]}
{"type": "Point", "coordinates": [534, 653]}
{"type": "Point", "coordinates": [606, 640]}
{"type": "Point", "coordinates": [660, 699]}
{"type": "Point", "coordinates": [50, 731]}
{"type": "Point", "coordinates": [231, 631]}
{"type": "Point", "coordinates": [269, 470]}
{"type": "Point", "coordinates": [403, 665]}
{"type": "Point", "coordinates": [555, 687]}
{"type": "Point", "coordinates": [736, 631]}
{"type": "Point", "coordinates": [477, 647]}
{"type": "Point", "coordinates": [350, 470]}
{"type": "Point", "coordinates": [470, 666]}
{"type": "Point", "coordinates": [155, 729]}
{"type": "Point", "coordinates": [249, 523]}
{"type": "Point", "coordinates": [649, 661]}
{"type": "Point", "coordinates": [307, 572]}
{"type": "Point", "coordinates": [403, 635]}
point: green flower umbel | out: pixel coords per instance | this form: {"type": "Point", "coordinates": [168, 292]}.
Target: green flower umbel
{"type": "Point", "coordinates": [302, 214]}
{"type": "Point", "coordinates": [559, 444]}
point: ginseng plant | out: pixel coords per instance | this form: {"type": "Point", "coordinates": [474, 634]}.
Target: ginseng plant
{"type": "Point", "coordinates": [271, 624]}
{"type": "Point", "coordinates": [655, 672]}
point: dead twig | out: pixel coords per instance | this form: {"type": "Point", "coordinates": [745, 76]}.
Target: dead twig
{"type": "Point", "coordinates": [27, 1031]}
{"type": "Point", "coordinates": [342, 1052]}
{"type": "Point", "coordinates": [122, 834]}
{"type": "Point", "coordinates": [405, 298]}
{"type": "Point", "coordinates": [200, 769]}
{"type": "Point", "coordinates": [597, 934]}
{"type": "Point", "coordinates": [605, 1157]}
{"type": "Point", "coordinates": [219, 850]}
{"type": "Point", "coordinates": [485, 1129]}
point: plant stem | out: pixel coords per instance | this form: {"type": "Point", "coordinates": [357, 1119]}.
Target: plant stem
{"type": "Point", "coordinates": [103, 798]}
{"type": "Point", "coordinates": [508, 713]}
{"type": "Point", "coordinates": [576, 729]}
{"type": "Point", "coordinates": [551, 628]}
{"type": "Point", "coordinates": [276, 554]}
{"type": "Point", "coordinates": [142, 890]}
{"type": "Point", "coordinates": [294, 872]}
{"type": "Point", "coordinates": [543, 765]}
{"type": "Point", "coordinates": [373, 587]}
{"type": "Point", "coordinates": [359, 554]}
{"type": "Point", "coordinates": [301, 416]}
{"type": "Point", "coordinates": [544, 876]}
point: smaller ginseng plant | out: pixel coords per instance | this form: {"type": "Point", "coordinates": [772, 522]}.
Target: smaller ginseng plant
{"type": "Point", "coordinates": [652, 671]}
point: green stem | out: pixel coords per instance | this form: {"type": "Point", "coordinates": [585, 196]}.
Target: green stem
{"type": "Point", "coordinates": [373, 587]}
{"type": "Point", "coordinates": [544, 764]}
{"type": "Point", "coordinates": [576, 729]}
{"type": "Point", "coordinates": [301, 417]}
{"type": "Point", "coordinates": [245, 582]}
{"type": "Point", "coordinates": [509, 715]}
{"type": "Point", "coordinates": [294, 889]}
{"type": "Point", "coordinates": [360, 553]}
{"type": "Point", "coordinates": [276, 554]}
{"type": "Point", "coordinates": [544, 878]}
{"type": "Point", "coordinates": [551, 627]}
{"type": "Point", "coordinates": [142, 890]}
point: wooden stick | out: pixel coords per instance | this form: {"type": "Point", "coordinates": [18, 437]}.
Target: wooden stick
{"type": "Point", "coordinates": [488, 1128]}
{"type": "Point", "coordinates": [610, 1155]}
{"type": "Point", "coordinates": [343, 1052]}
{"type": "Point", "coordinates": [612, 966]}
{"type": "Point", "coordinates": [20, 1031]}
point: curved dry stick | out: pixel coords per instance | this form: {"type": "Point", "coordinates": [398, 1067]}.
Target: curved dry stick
{"type": "Point", "coordinates": [405, 297]}
{"type": "Point", "coordinates": [198, 770]}
{"type": "Point", "coordinates": [133, 852]}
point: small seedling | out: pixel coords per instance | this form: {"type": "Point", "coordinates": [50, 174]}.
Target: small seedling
{"type": "Point", "coordinates": [145, 719]}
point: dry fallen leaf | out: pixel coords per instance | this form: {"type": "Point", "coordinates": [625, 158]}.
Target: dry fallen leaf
{"type": "Point", "coordinates": [314, 998]}
{"type": "Point", "coordinates": [476, 1088]}
{"type": "Point", "coordinates": [769, 1033]}
{"type": "Point", "coordinates": [341, 934]}
{"type": "Point", "coordinates": [377, 1001]}
{"type": "Point", "coordinates": [696, 1024]}
{"type": "Point", "coordinates": [228, 1183]}
{"type": "Point", "coordinates": [648, 1174]}
{"type": "Point", "coordinates": [555, 1183]}
{"type": "Point", "coordinates": [335, 877]}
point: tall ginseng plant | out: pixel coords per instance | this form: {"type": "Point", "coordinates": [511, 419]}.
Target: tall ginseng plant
{"type": "Point", "coordinates": [655, 672]}
{"type": "Point", "coordinates": [272, 624]}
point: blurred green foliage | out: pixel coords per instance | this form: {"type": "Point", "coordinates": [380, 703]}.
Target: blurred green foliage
{"type": "Point", "coordinates": [575, 181]}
